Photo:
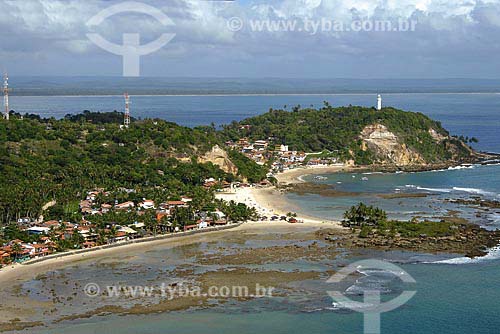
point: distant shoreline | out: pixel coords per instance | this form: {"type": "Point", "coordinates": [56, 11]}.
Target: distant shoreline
{"type": "Point", "coordinates": [13, 95]}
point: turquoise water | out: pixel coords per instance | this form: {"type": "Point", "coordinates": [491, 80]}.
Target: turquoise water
{"type": "Point", "coordinates": [457, 296]}
{"type": "Point", "coordinates": [439, 186]}
{"type": "Point", "coordinates": [449, 299]}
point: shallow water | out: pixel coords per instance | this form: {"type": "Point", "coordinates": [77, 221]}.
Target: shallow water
{"type": "Point", "coordinates": [449, 299]}
{"type": "Point", "coordinates": [439, 186]}
{"type": "Point", "coordinates": [457, 296]}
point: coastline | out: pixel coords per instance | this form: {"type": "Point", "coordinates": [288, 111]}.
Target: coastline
{"type": "Point", "coordinates": [20, 272]}
{"type": "Point", "coordinates": [270, 201]}
{"type": "Point", "coordinates": [295, 175]}
{"type": "Point", "coordinates": [267, 200]}
{"type": "Point", "coordinates": [43, 264]}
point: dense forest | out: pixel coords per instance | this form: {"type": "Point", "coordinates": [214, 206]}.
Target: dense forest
{"type": "Point", "coordinates": [47, 159]}
{"type": "Point", "coordinates": [338, 130]}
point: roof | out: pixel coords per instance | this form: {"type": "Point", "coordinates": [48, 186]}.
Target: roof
{"type": "Point", "coordinates": [176, 203]}
{"type": "Point", "coordinates": [127, 230]}
{"type": "Point", "coordinates": [40, 229]}
{"type": "Point", "coordinates": [125, 204]}
{"type": "Point", "coordinates": [51, 223]}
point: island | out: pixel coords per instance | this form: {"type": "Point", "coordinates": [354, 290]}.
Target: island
{"type": "Point", "coordinates": [86, 180]}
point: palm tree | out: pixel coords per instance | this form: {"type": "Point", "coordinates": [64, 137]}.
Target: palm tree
{"type": "Point", "coordinates": [16, 250]}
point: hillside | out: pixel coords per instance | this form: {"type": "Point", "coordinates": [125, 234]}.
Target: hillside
{"type": "Point", "coordinates": [42, 160]}
{"type": "Point", "coordinates": [46, 159]}
{"type": "Point", "coordinates": [364, 135]}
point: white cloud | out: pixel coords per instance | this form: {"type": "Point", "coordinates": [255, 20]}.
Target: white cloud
{"type": "Point", "coordinates": [53, 29]}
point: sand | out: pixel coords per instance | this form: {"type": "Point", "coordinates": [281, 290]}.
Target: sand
{"type": "Point", "coordinates": [268, 201]}
{"type": "Point", "coordinates": [286, 235]}
{"type": "Point", "coordinates": [19, 272]}
{"type": "Point", "coordinates": [22, 272]}
{"type": "Point", "coordinates": [295, 175]}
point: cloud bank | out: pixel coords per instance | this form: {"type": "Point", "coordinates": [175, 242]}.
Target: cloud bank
{"type": "Point", "coordinates": [451, 39]}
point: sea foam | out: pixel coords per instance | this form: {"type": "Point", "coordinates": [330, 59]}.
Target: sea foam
{"type": "Point", "coordinates": [439, 190]}
{"type": "Point", "coordinates": [493, 254]}
{"type": "Point", "coordinates": [475, 191]}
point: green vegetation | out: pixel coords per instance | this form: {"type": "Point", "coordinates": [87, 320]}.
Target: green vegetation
{"type": "Point", "coordinates": [42, 160]}
{"type": "Point", "coordinates": [236, 212]}
{"type": "Point", "coordinates": [362, 215]}
{"type": "Point", "coordinates": [247, 168]}
{"type": "Point", "coordinates": [46, 159]}
{"type": "Point", "coordinates": [337, 130]}
{"type": "Point", "coordinates": [97, 117]}
{"type": "Point", "coordinates": [370, 220]}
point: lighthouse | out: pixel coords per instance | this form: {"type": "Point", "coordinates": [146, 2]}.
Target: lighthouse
{"type": "Point", "coordinates": [379, 102]}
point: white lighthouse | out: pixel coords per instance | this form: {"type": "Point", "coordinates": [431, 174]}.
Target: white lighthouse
{"type": "Point", "coordinates": [379, 102]}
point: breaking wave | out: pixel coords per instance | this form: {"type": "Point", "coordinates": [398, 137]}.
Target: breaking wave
{"type": "Point", "coordinates": [439, 190]}
{"type": "Point", "coordinates": [493, 254]}
{"type": "Point", "coordinates": [475, 191]}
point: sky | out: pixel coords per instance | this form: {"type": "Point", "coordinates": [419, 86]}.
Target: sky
{"type": "Point", "coordinates": [450, 39]}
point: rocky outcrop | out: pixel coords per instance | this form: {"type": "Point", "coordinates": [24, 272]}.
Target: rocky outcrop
{"type": "Point", "coordinates": [219, 157]}
{"type": "Point", "coordinates": [387, 148]}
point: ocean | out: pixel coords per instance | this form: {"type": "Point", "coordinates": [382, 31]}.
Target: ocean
{"type": "Point", "coordinates": [454, 295]}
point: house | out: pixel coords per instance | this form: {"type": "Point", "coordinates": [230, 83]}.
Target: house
{"type": "Point", "coordinates": [92, 195]}
{"type": "Point", "coordinates": [131, 233]}
{"type": "Point", "coordinates": [260, 145]}
{"type": "Point", "coordinates": [5, 255]}
{"type": "Point", "coordinates": [120, 236]}
{"type": "Point", "coordinates": [220, 222]}
{"type": "Point", "coordinates": [242, 142]}
{"type": "Point", "coordinates": [38, 230]}
{"type": "Point", "coordinates": [51, 224]}
{"type": "Point", "coordinates": [190, 227]}
{"type": "Point", "coordinates": [174, 204]}
{"type": "Point", "coordinates": [89, 244]}
{"type": "Point", "coordinates": [138, 225]}
{"type": "Point", "coordinates": [87, 210]}
{"type": "Point", "coordinates": [85, 204]}
{"type": "Point", "coordinates": [105, 207]}
{"type": "Point", "coordinates": [24, 220]}
{"type": "Point", "coordinates": [40, 250]}
{"type": "Point", "coordinates": [210, 184]}
{"type": "Point", "coordinates": [147, 204]}
{"type": "Point", "coordinates": [161, 214]}
{"type": "Point", "coordinates": [125, 205]}
{"type": "Point", "coordinates": [218, 215]}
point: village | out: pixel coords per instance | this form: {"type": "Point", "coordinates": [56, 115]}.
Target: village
{"type": "Point", "coordinates": [279, 157]}
{"type": "Point", "coordinates": [38, 238]}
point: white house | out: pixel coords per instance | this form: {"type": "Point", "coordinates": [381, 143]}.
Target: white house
{"type": "Point", "coordinates": [147, 204]}
{"type": "Point", "coordinates": [38, 230]}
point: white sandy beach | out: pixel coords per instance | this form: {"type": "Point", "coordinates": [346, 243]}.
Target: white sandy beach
{"type": "Point", "coordinates": [22, 272]}
{"type": "Point", "coordinates": [268, 201]}
{"type": "Point", "coordinates": [295, 175]}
